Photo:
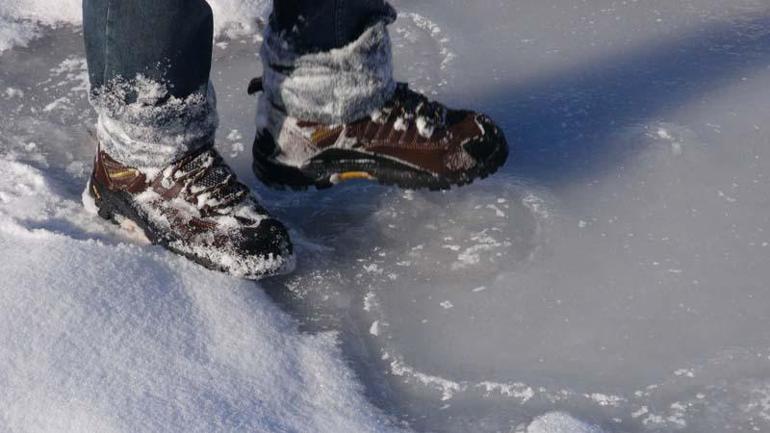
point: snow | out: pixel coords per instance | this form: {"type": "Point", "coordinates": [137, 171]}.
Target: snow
{"type": "Point", "coordinates": [101, 335]}
{"type": "Point", "coordinates": [23, 20]}
{"type": "Point", "coordinates": [144, 134]}
{"type": "Point", "coordinates": [400, 124]}
{"type": "Point", "coordinates": [559, 422]}
{"type": "Point", "coordinates": [424, 127]}
{"type": "Point", "coordinates": [611, 277]}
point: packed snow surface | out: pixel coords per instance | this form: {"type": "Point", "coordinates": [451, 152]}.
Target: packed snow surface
{"type": "Point", "coordinates": [102, 335]}
{"type": "Point", "coordinates": [612, 277]}
{"type": "Point", "coordinates": [22, 20]}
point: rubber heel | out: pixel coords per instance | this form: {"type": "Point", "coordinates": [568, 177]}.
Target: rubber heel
{"type": "Point", "coordinates": [103, 209]}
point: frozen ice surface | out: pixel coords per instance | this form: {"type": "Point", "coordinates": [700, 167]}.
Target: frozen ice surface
{"type": "Point", "coordinates": [612, 277]}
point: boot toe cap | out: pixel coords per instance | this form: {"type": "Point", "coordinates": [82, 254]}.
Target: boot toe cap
{"type": "Point", "coordinates": [490, 145]}
{"type": "Point", "coordinates": [269, 244]}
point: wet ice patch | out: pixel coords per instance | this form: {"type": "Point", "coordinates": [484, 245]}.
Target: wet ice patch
{"type": "Point", "coordinates": [670, 138]}
{"type": "Point", "coordinates": [15, 33]}
{"type": "Point", "coordinates": [424, 50]}
{"type": "Point", "coordinates": [425, 253]}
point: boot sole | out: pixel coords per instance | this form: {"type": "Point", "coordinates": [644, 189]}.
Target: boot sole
{"type": "Point", "coordinates": [334, 166]}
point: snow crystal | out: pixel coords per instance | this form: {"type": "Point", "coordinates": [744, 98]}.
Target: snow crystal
{"type": "Point", "coordinates": [12, 92]}
{"type": "Point", "coordinates": [560, 422]}
{"type": "Point", "coordinates": [375, 328]}
{"type": "Point", "coordinates": [606, 400]}
{"type": "Point", "coordinates": [234, 135]}
{"type": "Point", "coordinates": [58, 103]}
{"type": "Point", "coordinates": [447, 387]}
{"type": "Point", "coordinates": [424, 127]}
{"type": "Point", "coordinates": [642, 411]}
{"type": "Point", "coordinates": [400, 124]}
{"type": "Point", "coordinates": [520, 391]}
{"type": "Point", "coordinates": [684, 372]}
{"type": "Point", "coordinates": [376, 115]}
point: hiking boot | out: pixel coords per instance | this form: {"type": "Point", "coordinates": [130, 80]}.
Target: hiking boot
{"type": "Point", "coordinates": [411, 142]}
{"type": "Point", "coordinates": [194, 207]}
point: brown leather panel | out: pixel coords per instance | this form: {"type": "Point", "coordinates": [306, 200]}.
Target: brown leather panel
{"type": "Point", "coordinates": [385, 130]}
{"type": "Point", "coordinates": [167, 193]}
{"type": "Point", "coordinates": [324, 137]}
{"type": "Point", "coordinates": [408, 139]}
{"type": "Point", "coordinates": [117, 176]}
{"type": "Point", "coordinates": [466, 128]}
{"type": "Point", "coordinates": [427, 159]}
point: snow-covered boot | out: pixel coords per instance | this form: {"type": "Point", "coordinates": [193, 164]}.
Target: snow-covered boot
{"type": "Point", "coordinates": [195, 207]}
{"type": "Point", "coordinates": [409, 141]}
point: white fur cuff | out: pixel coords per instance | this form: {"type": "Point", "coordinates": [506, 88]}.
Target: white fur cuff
{"type": "Point", "coordinates": [154, 130]}
{"type": "Point", "coordinates": [336, 86]}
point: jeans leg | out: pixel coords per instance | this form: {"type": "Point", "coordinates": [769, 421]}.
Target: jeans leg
{"type": "Point", "coordinates": [168, 41]}
{"type": "Point", "coordinates": [148, 64]}
{"type": "Point", "coordinates": [328, 61]}
{"type": "Point", "coordinates": [322, 25]}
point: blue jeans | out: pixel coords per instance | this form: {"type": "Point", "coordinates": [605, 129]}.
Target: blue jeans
{"type": "Point", "coordinates": [149, 62]}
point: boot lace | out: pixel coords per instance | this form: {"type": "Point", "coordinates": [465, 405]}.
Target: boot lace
{"type": "Point", "coordinates": [409, 105]}
{"type": "Point", "coordinates": [210, 183]}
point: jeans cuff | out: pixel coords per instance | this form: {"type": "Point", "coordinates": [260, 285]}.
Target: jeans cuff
{"type": "Point", "coordinates": [142, 126]}
{"type": "Point", "coordinates": [336, 86]}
